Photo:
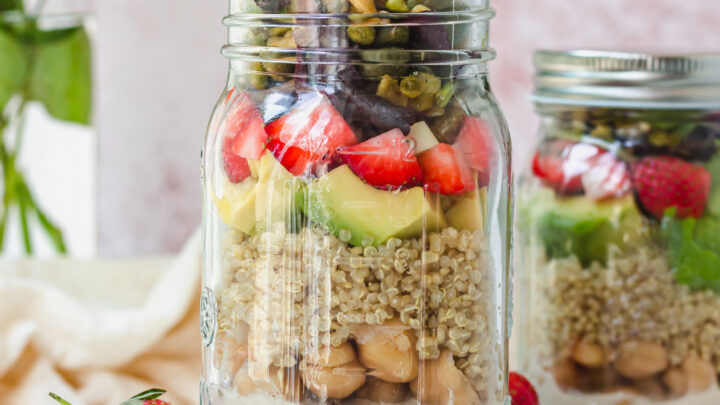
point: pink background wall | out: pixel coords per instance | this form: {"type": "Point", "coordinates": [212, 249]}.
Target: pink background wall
{"type": "Point", "coordinates": [160, 72]}
{"type": "Point", "coordinates": [522, 26]}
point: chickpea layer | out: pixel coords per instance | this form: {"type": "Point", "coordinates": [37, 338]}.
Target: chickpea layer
{"type": "Point", "coordinates": [641, 333]}
{"type": "Point", "coordinates": [358, 319]}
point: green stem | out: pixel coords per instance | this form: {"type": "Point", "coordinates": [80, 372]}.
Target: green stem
{"type": "Point", "coordinates": [51, 229]}
{"type": "Point", "coordinates": [23, 205]}
{"type": "Point", "coordinates": [59, 399]}
{"type": "Point", "coordinates": [4, 158]}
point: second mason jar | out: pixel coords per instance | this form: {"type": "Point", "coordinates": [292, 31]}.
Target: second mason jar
{"type": "Point", "coordinates": [619, 266]}
{"type": "Point", "coordinates": [356, 177]}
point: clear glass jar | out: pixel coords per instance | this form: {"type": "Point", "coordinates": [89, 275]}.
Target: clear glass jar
{"type": "Point", "coordinates": [620, 280]}
{"type": "Point", "coordinates": [356, 211]}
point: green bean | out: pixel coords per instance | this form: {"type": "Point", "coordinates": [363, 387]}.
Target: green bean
{"type": "Point", "coordinates": [397, 6]}
{"type": "Point", "coordinates": [390, 61]}
{"type": "Point", "coordinates": [392, 36]}
{"type": "Point", "coordinates": [361, 34]}
{"type": "Point", "coordinates": [442, 97]}
{"type": "Point", "coordinates": [258, 80]}
{"type": "Point", "coordinates": [412, 86]}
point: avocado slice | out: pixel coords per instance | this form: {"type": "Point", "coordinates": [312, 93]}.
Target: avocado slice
{"type": "Point", "coordinates": [585, 228]}
{"type": "Point", "coordinates": [340, 201]}
{"type": "Point", "coordinates": [279, 194]}
{"type": "Point", "coordinates": [467, 212]}
{"type": "Point", "coordinates": [236, 207]}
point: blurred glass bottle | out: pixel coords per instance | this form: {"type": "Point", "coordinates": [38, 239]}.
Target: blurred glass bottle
{"type": "Point", "coordinates": [49, 147]}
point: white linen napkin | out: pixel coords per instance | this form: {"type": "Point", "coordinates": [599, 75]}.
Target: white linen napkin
{"type": "Point", "coordinates": [98, 332]}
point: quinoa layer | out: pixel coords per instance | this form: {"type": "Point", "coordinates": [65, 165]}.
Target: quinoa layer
{"type": "Point", "coordinates": [310, 289]}
{"type": "Point", "coordinates": [633, 297]}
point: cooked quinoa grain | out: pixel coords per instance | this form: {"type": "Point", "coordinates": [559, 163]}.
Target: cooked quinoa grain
{"type": "Point", "coordinates": [293, 291]}
{"type": "Point", "coordinates": [634, 297]}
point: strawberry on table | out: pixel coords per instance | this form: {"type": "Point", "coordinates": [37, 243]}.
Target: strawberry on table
{"type": "Point", "coordinates": [607, 177]}
{"type": "Point", "coordinates": [308, 134]}
{"type": "Point", "coordinates": [445, 171]}
{"type": "Point", "coordinates": [560, 164]}
{"type": "Point", "coordinates": [385, 161]}
{"type": "Point", "coordinates": [663, 182]}
{"type": "Point", "coordinates": [244, 127]}
{"type": "Point", "coordinates": [521, 391]}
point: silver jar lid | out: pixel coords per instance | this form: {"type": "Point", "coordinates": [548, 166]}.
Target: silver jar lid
{"type": "Point", "coordinates": [627, 79]}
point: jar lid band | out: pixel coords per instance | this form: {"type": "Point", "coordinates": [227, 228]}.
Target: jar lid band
{"type": "Point", "coordinates": [627, 79]}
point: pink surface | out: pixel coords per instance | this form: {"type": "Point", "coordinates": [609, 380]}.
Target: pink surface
{"type": "Point", "coordinates": [522, 26]}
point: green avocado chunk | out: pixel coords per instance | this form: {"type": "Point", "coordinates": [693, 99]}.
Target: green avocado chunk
{"type": "Point", "coordinates": [468, 212]}
{"type": "Point", "coordinates": [236, 207]}
{"type": "Point", "coordinates": [585, 228]}
{"type": "Point", "coordinates": [362, 215]}
{"type": "Point", "coordinates": [279, 195]}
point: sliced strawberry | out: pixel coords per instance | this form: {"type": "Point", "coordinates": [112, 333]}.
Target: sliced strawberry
{"type": "Point", "coordinates": [315, 127]}
{"type": "Point", "coordinates": [521, 391]}
{"type": "Point", "coordinates": [607, 177]}
{"type": "Point", "coordinates": [560, 164]}
{"type": "Point", "coordinates": [385, 161]}
{"type": "Point", "coordinates": [295, 160]}
{"type": "Point", "coordinates": [663, 182]}
{"type": "Point", "coordinates": [236, 167]}
{"type": "Point", "coordinates": [474, 140]}
{"type": "Point", "coordinates": [445, 171]}
{"type": "Point", "coordinates": [244, 125]}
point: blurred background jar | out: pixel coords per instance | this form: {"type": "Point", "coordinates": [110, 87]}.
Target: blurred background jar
{"type": "Point", "coordinates": [48, 145]}
{"type": "Point", "coordinates": [619, 261]}
{"type": "Point", "coordinates": [356, 177]}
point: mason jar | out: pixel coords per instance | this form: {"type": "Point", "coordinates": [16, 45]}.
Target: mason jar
{"type": "Point", "coordinates": [620, 216]}
{"type": "Point", "coordinates": [356, 208]}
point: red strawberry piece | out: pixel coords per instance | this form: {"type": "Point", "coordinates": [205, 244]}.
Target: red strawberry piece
{"type": "Point", "coordinates": [607, 177]}
{"type": "Point", "coordinates": [236, 167]}
{"type": "Point", "coordinates": [521, 391]}
{"type": "Point", "coordinates": [155, 402]}
{"type": "Point", "coordinates": [385, 161]}
{"type": "Point", "coordinates": [560, 164]}
{"type": "Point", "coordinates": [315, 128]}
{"type": "Point", "coordinates": [295, 160]}
{"type": "Point", "coordinates": [445, 171]}
{"type": "Point", "coordinates": [663, 182]}
{"type": "Point", "coordinates": [244, 126]}
{"type": "Point", "coordinates": [474, 141]}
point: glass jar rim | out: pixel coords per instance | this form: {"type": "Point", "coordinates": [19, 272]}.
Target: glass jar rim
{"type": "Point", "coordinates": [616, 79]}
{"type": "Point", "coordinates": [473, 24]}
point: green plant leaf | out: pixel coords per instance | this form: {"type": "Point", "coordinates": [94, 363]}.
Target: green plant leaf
{"type": "Point", "coordinates": [8, 5]}
{"type": "Point", "coordinates": [133, 402]}
{"type": "Point", "coordinates": [61, 75]}
{"type": "Point", "coordinates": [690, 248]}
{"type": "Point", "coordinates": [13, 67]}
{"type": "Point", "coordinates": [149, 394]}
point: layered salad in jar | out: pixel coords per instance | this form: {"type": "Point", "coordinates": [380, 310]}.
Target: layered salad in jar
{"type": "Point", "coordinates": [354, 262]}
{"type": "Point", "coordinates": [623, 257]}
